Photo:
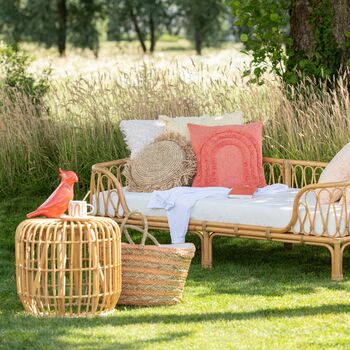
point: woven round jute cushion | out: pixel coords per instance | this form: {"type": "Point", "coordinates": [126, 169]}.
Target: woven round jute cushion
{"type": "Point", "coordinates": [166, 163]}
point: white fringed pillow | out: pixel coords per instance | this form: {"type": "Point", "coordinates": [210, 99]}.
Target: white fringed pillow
{"type": "Point", "coordinates": [179, 124]}
{"type": "Point", "coordinates": [139, 133]}
{"type": "Point", "coordinates": [338, 169]}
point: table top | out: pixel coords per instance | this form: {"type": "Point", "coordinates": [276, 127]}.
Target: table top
{"type": "Point", "coordinates": [66, 218]}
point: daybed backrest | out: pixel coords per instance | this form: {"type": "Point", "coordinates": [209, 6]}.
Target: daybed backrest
{"type": "Point", "coordinates": [294, 173]}
{"type": "Point", "coordinates": [107, 177]}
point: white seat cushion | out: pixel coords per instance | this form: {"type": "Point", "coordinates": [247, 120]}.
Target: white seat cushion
{"type": "Point", "coordinates": [271, 210]}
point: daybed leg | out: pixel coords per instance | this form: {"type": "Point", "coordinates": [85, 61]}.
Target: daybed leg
{"type": "Point", "coordinates": [206, 250]}
{"type": "Point", "coordinates": [337, 263]}
{"type": "Point", "coordinates": [288, 246]}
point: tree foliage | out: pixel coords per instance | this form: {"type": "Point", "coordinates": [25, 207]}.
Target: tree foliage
{"type": "Point", "coordinates": [81, 22]}
{"type": "Point", "coordinates": [290, 39]}
{"type": "Point", "coordinates": [266, 37]}
{"type": "Point", "coordinates": [85, 17]}
{"type": "Point", "coordinates": [53, 22]}
{"type": "Point", "coordinates": [11, 21]}
{"type": "Point", "coordinates": [148, 19]}
{"type": "Point", "coordinates": [203, 21]}
{"type": "Point", "coordinates": [15, 78]}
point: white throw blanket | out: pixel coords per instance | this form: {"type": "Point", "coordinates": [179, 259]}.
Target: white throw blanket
{"type": "Point", "coordinates": [178, 203]}
{"type": "Point", "coordinates": [270, 189]}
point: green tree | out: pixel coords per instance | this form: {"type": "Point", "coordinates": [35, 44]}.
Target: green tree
{"type": "Point", "coordinates": [53, 23]}
{"type": "Point", "coordinates": [85, 16]}
{"type": "Point", "coordinates": [11, 21]}
{"type": "Point", "coordinates": [295, 38]}
{"type": "Point", "coordinates": [147, 19]}
{"type": "Point", "coordinates": [203, 21]}
{"type": "Point", "coordinates": [42, 24]}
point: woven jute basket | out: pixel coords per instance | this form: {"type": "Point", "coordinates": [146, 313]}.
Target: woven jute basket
{"type": "Point", "coordinates": [152, 275]}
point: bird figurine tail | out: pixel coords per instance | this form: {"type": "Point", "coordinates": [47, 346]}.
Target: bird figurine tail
{"type": "Point", "coordinates": [34, 214]}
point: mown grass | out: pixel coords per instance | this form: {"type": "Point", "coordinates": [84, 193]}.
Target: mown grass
{"type": "Point", "coordinates": [257, 296]}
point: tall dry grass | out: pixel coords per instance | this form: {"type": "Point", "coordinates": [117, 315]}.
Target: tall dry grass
{"type": "Point", "coordinates": [77, 125]}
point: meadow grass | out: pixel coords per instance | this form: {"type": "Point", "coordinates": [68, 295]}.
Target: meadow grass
{"type": "Point", "coordinates": [78, 122]}
{"type": "Point", "coordinates": [256, 296]}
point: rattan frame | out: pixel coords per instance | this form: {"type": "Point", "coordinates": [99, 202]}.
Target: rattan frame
{"type": "Point", "coordinates": [107, 176]}
{"type": "Point", "coordinates": [68, 267]}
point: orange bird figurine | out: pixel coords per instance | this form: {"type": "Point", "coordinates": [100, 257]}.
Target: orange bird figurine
{"type": "Point", "coordinates": [56, 205]}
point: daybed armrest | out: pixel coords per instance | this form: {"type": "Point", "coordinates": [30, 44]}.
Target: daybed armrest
{"type": "Point", "coordinates": [316, 213]}
{"type": "Point", "coordinates": [106, 183]}
{"type": "Point", "coordinates": [294, 173]}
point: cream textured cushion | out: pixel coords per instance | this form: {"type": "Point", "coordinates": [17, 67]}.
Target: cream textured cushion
{"type": "Point", "coordinates": [337, 170]}
{"type": "Point", "coordinates": [166, 163]}
{"type": "Point", "coordinates": [140, 133]}
{"type": "Point", "coordinates": [179, 124]}
{"type": "Point", "coordinates": [271, 210]}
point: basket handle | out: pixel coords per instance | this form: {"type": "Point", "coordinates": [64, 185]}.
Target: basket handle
{"type": "Point", "coordinates": [124, 228]}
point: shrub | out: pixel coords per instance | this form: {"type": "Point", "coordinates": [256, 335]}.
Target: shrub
{"type": "Point", "coordinates": [14, 75]}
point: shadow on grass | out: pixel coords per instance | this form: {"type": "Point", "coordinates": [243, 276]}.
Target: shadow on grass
{"type": "Point", "coordinates": [24, 332]}
{"type": "Point", "coordinates": [162, 339]}
{"type": "Point", "coordinates": [125, 319]}
{"type": "Point", "coordinates": [50, 334]}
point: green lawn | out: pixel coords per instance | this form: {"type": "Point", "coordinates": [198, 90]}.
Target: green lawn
{"type": "Point", "coordinates": [257, 296]}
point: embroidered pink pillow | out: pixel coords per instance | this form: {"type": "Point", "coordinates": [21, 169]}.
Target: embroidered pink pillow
{"type": "Point", "coordinates": [228, 156]}
{"type": "Point", "coordinates": [338, 169]}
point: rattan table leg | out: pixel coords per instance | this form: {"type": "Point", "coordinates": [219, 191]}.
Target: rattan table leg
{"type": "Point", "coordinates": [61, 263]}
{"type": "Point", "coordinates": [76, 259]}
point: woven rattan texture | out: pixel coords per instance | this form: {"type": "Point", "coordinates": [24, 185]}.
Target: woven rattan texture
{"type": "Point", "coordinates": [168, 162]}
{"type": "Point", "coordinates": [68, 268]}
{"type": "Point", "coordinates": [152, 275]}
{"type": "Point", "coordinates": [300, 230]}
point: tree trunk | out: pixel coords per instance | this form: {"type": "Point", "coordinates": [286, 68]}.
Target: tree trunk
{"type": "Point", "coordinates": [300, 28]}
{"type": "Point", "coordinates": [152, 33]}
{"type": "Point", "coordinates": [198, 42]}
{"type": "Point", "coordinates": [62, 26]}
{"type": "Point", "coordinates": [139, 34]}
{"type": "Point", "coordinates": [341, 19]}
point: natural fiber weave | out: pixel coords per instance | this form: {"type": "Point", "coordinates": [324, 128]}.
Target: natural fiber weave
{"type": "Point", "coordinates": [301, 174]}
{"type": "Point", "coordinates": [152, 275]}
{"type": "Point", "coordinates": [68, 267]}
{"type": "Point", "coordinates": [166, 163]}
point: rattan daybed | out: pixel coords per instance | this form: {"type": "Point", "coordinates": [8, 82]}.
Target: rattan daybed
{"type": "Point", "coordinates": [308, 221]}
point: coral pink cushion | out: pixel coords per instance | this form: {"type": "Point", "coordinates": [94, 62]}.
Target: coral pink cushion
{"type": "Point", "coordinates": [228, 156]}
{"type": "Point", "coordinates": [338, 169]}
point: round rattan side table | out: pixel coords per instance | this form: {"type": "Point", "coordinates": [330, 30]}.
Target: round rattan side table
{"type": "Point", "coordinates": [68, 267]}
